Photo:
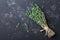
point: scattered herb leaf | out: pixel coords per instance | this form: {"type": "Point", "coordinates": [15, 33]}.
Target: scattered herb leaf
{"type": "Point", "coordinates": [17, 25]}
{"type": "Point", "coordinates": [26, 27]}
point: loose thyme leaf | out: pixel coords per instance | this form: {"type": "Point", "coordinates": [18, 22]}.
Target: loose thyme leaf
{"type": "Point", "coordinates": [26, 27]}
{"type": "Point", "coordinates": [37, 15]}
{"type": "Point", "coordinates": [17, 25]}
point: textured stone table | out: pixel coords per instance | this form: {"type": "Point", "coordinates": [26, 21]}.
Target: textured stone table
{"type": "Point", "coordinates": [13, 12]}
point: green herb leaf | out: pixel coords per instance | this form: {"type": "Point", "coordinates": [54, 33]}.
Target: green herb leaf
{"type": "Point", "coordinates": [17, 25]}
{"type": "Point", "coordinates": [26, 27]}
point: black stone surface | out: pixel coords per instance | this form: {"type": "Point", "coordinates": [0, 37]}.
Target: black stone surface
{"type": "Point", "coordinates": [13, 12]}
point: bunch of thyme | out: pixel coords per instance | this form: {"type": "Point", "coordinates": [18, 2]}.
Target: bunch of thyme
{"type": "Point", "coordinates": [37, 15]}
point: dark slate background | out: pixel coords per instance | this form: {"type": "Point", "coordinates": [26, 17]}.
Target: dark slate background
{"type": "Point", "coordinates": [13, 12]}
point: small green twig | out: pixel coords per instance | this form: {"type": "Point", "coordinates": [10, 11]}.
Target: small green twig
{"type": "Point", "coordinates": [26, 27]}
{"type": "Point", "coordinates": [17, 25]}
{"type": "Point", "coordinates": [37, 15]}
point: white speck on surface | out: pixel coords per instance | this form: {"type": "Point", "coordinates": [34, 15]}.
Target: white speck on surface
{"type": "Point", "coordinates": [9, 27]}
{"type": "Point", "coordinates": [35, 32]}
{"type": "Point", "coordinates": [59, 8]}
{"type": "Point", "coordinates": [10, 12]}
{"type": "Point", "coordinates": [10, 15]}
{"type": "Point", "coordinates": [13, 8]}
{"type": "Point", "coordinates": [6, 14]}
{"type": "Point", "coordinates": [53, 7]}
{"type": "Point", "coordinates": [25, 0]}
{"type": "Point", "coordinates": [48, 11]}
{"type": "Point", "coordinates": [7, 23]}
{"type": "Point", "coordinates": [52, 15]}
{"type": "Point", "coordinates": [18, 7]}
{"type": "Point", "coordinates": [14, 33]}
{"type": "Point", "coordinates": [28, 8]}
{"type": "Point", "coordinates": [8, 34]}
{"type": "Point", "coordinates": [32, 30]}
{"type": "Point", "coordinates": [58, 2]}
{"type": "Point", "coordinates": [22, 18]}
{"type": "Point", "coordinates": [11, 2]}
{"type": "Point", "coordinates": [27, 36]}
{"type": "Point", "coordinates": [55, 16]}
{"type": "Point", "coordinates": [53, 26]}
{"type": "Point", "coordinates": [43, 1]}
